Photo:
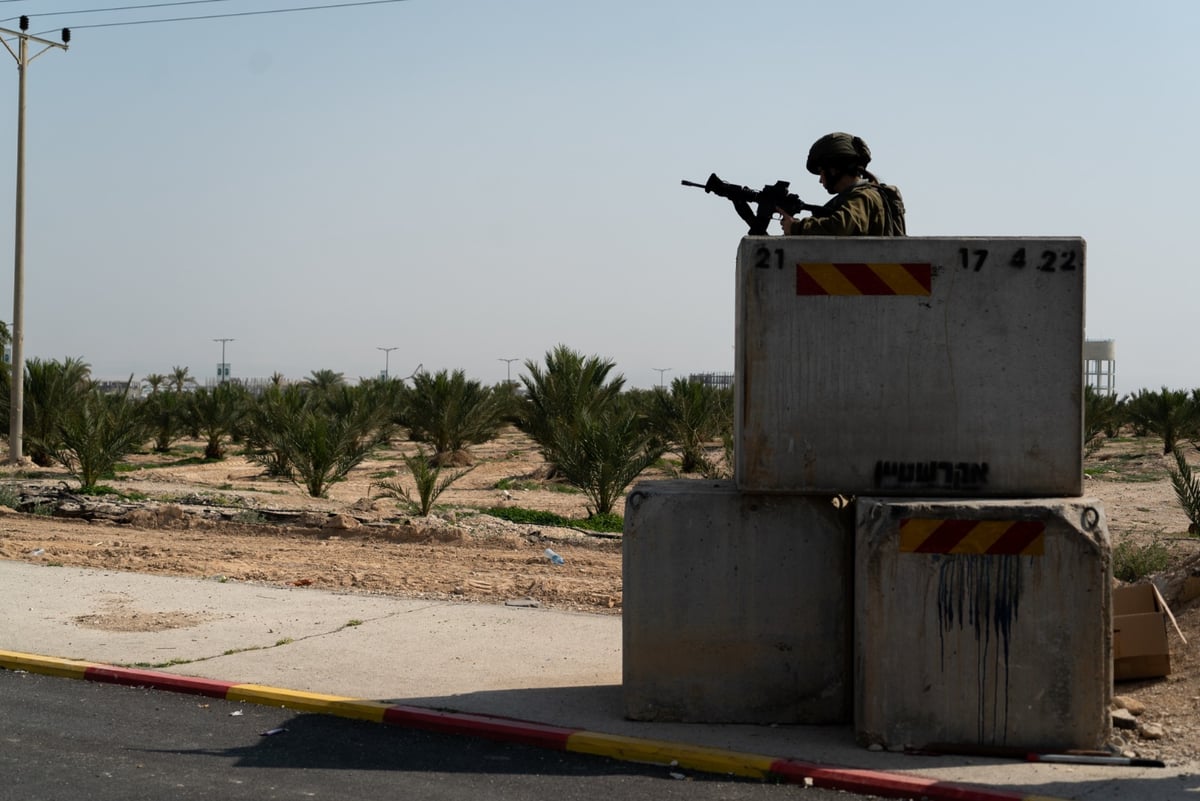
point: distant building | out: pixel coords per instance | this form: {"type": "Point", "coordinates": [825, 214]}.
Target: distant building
{"type": "Point", "coordinates": [255, 386]}
{"type": "Point", "coordinates": [717, 380]}
{"type": "Point", "coordinates": [114, 387]}
{"type": "Point", "coordinates": [1100, 365]}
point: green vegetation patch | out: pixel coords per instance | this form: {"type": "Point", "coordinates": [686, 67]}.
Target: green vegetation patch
{"type": "Point", "coordinates": [1142, 466]}
{"type": "Point", "coordinates": [1132, 561]}
{"type": "Point", "coordinates": [203, 499]}
{"type": "Point", "coordinates": [126, 467]}
{"type": "Point", "coordinates": [104, 489]}
{"type": "Point", "coordinates": [532, 485]}
{"type": "Point", "coordinates": [609, 523]}
{"type": "Point", "coordinates": [517, 514]}
{"type": "Point", "coordinates": [10, 495]}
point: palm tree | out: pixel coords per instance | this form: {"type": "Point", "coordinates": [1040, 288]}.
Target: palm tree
{"type": "Point", "coordinates": [180, 378]}
{"type": "Point", "coordinates": [317, 439]}
{"type": "Point", "coordinates": [96, 433]}
{"type": "Point", "coordinates": [428, 481]}
{"type": "Point", "coordinates": [156, 381]}
{"type": "Point", "coordinates": [5, 375]}
{"type": "Point", "coordinates": [602, 455]}
{"type": "Point", "coordinates": [1170, 414]}
{"type": "Point", "coordinates": [510, 398]}
{"type": "Point", "coordinates": [325, 380]}
{"type": "Point", "coordinates": [1187, 490]}
{"type": "Point", "coordinates": [559, 397]}
{"type": "Point", "coordinates": [5, 367]}
{"type": "Point", "coordinates": [269, 410]}
{"type": "Point", "coordinates": [690, 416]}
{"type": "Point", "coordinates": [1101, 414]}
{"type": "Point", "coordinates": [215, 413]}
{"type": "Point", "coordinates": [450, 412]}
{"type": "Point", "coordinates": [163, 414]}
{"type": "Point", "coordinates": [1194, 433]}
{"type": "Point", "coordinates": [53, 389]}
{"type": "Point", "coordinates": [387, 395]}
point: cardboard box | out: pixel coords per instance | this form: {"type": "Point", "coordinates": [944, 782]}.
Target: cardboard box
{"type": "Point", "coordinates": [1140, 649]}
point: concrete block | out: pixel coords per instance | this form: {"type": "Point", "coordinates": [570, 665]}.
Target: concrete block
{"type": "Point", "coordinates": [910, 367]}
{"type": "Point", "coordinates": [736, 606]}
{"type": "Point", "coordinates": [983, 623]}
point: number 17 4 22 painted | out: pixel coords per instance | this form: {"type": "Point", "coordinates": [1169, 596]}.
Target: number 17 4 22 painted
{"type": "Point", "coordinates": [1048, 261]}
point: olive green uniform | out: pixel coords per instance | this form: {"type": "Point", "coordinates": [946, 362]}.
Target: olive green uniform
{"type": "Point", "coordinates": [859, 211]}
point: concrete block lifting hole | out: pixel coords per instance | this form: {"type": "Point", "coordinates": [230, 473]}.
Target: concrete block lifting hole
{"type": "Point", "coordinates": [736, 607]}
{"type": "Point", "coordinates": [983, 623]}
{"type": "Point", "coordinates": [910, 367]}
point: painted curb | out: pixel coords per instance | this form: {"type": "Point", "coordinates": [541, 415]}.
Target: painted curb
{"type": "Point", "coordinates": [524, 732]}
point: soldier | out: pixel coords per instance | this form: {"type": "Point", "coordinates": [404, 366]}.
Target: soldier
{"type": "Point", "coordinates": [861, 206]}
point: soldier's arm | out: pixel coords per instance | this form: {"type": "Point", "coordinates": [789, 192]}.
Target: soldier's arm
{"type": "Point", "coordinates": [852, 218]}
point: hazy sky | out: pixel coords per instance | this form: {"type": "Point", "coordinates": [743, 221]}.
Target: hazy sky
{"type": "Point", "coordinates": [474, 180]}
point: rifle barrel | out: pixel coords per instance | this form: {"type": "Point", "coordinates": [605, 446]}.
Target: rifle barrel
{"type": "Point", "coordinates": [692, 183]}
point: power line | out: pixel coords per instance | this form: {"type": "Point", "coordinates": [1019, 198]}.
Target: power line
{"type": "Point", "coordinates": [233, 14]}
{"type": "Point", "coordinates": [115, 8]}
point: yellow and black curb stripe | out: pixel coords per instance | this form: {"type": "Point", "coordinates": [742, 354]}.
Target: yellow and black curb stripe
{"type": "Point", "coordinates": [557, 738]}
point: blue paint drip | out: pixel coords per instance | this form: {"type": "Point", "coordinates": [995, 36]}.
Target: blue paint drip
{"type": "Point", "coordinates": [983, 594]}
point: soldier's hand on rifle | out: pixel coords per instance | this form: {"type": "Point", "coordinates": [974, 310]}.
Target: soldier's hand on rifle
{"type": "Point", "coordinates": [785, 220]}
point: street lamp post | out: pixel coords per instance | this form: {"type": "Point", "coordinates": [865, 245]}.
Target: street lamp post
{"type": "Point", "coordinates": [661, 370]}
{"type": "Point", "coordinates": [223, 370]}
{"type": "Point", "coordinates": [387, 352]}
{"type": "Point", "coordinates": [16, 405]}
{"type": "Point", "coordinates": [508, 364]}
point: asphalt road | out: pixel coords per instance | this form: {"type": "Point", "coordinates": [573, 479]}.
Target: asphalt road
{"type": "Point", "coordinates": [64, 738]}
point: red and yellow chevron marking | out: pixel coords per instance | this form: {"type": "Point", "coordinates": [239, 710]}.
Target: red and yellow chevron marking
{"type": "Point", "coordinates": [991, 537]}
{"type": "Point", "coordinates": [864, 279]}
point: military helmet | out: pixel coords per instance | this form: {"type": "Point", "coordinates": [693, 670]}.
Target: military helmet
{"type": "Point", "coordinates": [838, 150]}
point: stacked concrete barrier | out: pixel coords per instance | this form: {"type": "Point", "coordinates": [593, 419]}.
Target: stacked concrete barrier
{"type": "Point", "coordinates": [737, 606]}
{"type": "Point", "coordinates": [982, 623]}
{"type": "Point", "coordinates": [947, 369]}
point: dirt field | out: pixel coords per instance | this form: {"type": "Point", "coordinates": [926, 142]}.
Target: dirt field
{"type": "Point", "coordinates": [210, 520]}
{"type": "Point", "coordinates": [203, 520]}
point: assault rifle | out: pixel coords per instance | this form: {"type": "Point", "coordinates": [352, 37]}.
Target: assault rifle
{"type": "Point", "coordinates": [767, 200]}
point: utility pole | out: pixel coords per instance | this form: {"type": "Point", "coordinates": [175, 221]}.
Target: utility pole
{"type": "Point", "coordinates": [223, 369]}
{"type": "Point", "coordinates": [508, 363]}
{"type": "Point", "coordinates": [16, 408]}
{"type": "Point", "coordinates": [661, 370]}
{"type": "Point", "coordinates": [387, 352]}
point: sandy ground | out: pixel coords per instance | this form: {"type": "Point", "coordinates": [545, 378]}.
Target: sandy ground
{"type": "Point", "coordinates": [203, 520]}
{"type": "Point", "coordinates": [354, 539]}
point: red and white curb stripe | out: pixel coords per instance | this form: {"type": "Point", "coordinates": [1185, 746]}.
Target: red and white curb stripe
{"type": "Point", "coordinates": [556, 738]}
